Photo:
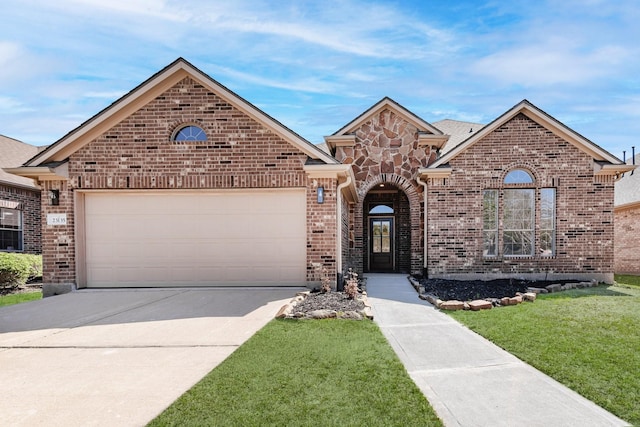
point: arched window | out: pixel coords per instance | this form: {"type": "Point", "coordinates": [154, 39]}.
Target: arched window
{"type": "Point", "coordinates": [518, 176]}
{"type": "Point", "coordinates": [515, 235]}
{"type": "Point", "coordinates": [381, 209]}
{"type": "Point", "coordinates": [190, 133]}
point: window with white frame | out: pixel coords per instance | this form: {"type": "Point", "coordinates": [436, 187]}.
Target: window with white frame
{"type": "Point", "coordinates": [515, 235]}
{"type": "Point", "coordinates": [10, 229]}
{"type": "Point", "coordinates": [190, 133]}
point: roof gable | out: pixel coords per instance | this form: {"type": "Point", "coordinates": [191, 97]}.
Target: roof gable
{"type": "Point", "coordinates": [13, 153]}
{"type": "Point", "coordinates": [543, 119]}
{"type": "Point", "coordinates": [150, 89]}
{"type": "Point", "coordinates": [388, 103]}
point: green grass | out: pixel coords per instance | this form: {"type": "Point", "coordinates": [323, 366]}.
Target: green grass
{"type": "Point", "coordinates": [306, 373]}
{"type": "Point", "coordinates": [627, 280]}
{"type": "Point", "coordinates": [18, 298]}
{"type": "Point", "coordinates": [587, 339]}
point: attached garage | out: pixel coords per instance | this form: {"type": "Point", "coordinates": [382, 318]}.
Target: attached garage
{"type": "Point", "coordinates": [183, 238]}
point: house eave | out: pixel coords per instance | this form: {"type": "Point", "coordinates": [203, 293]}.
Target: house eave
{"type": "Point", "coordinates": [430, 140]}
{"type": "Point", "coordinates": [625, 206]}
{"type": "Point", "coordinates": [339, 172]}
{"type": "Point", "coordinates": [441, 172]}
{"type": "Point", "coordinates": [615, 170]}
{"type": "Point", "coordinates": [39, 173]}
{"type": "Point", "coordinates": [334, 141]}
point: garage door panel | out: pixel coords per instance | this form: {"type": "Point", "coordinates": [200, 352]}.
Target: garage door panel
{"type": "Point", "coordinates": [174, 238]}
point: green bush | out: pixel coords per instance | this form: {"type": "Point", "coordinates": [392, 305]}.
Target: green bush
{"type": "Point", "coordinates": [17, 269]}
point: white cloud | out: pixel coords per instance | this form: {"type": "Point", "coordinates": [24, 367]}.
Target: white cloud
{"type": "Point", "coordinates": [550, 64]}
{"type": "Point", "coordinates": [10, 105]}
{"type": "Point", "coordinates": [308, 84]}
{"type": "Point", "coordinates": [140, 8]}
{"type": "Point", "coordinates": [115, 94]}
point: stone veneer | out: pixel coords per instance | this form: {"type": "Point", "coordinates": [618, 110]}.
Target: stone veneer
{"type": "Point", "coordinates": [386, 151]}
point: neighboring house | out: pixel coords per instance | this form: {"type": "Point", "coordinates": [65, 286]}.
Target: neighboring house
{"type": "Point", "coordinates": [627, 222]}
{"type": "Point", "coordinates": [183, 182]}
{"type": "Point", "coordinates": [19, 200]}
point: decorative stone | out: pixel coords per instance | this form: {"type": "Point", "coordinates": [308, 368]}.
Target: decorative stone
{"type": "Point", "coordinates": [431, 298]}
{"type": "Point", "coordinates": [505, 301]}
{"type": "Point", "coordinates": [353, 315]}
{"type": "Point", "coordinates": [322, 314]}
{"type": "Point", "coordinates": [467, 306]}
{"type": "Point", "coordinates": [284, 311]}
{"type": "Point", "coordinates": [452, 305]}
{"type": "Point", "coordinates": [556, 287]}
{"type": "Point", "coordinates": [480, 304]}
{"type": "Point", "coordinates": [530, 296]}
{"type": "Point", "coordinates": [367, 313]}
{"type": "Point", "coordinates": [538, 290]}
{"type": "Point", "coordinates": [515, 300]}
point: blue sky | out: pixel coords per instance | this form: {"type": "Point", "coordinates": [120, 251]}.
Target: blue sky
{"type": "Point", "coordinates": [316, 65]}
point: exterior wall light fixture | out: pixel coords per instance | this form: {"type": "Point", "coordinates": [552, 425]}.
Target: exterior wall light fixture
{"type": "Point", "coordinates": [54, 197]}
{"type": "Point", "coordinates": [320, 194]}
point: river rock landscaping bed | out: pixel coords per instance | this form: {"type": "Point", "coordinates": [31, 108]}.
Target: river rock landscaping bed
{"type": "Point", "coordinates": [326, 305]}
{"type": "Point", "coordinates": [482, 295]}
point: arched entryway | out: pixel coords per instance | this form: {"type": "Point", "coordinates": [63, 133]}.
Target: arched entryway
{"type": "Point", "coordinates": [386, 230]}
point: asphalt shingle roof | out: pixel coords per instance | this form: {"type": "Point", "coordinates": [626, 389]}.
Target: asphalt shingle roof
{"type": "Point", "coordinates": [14, 153]}
{"type": "Point", "coordinates": [458, 130]}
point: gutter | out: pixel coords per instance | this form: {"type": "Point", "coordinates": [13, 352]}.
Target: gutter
{"type": "Point", "coordinates": [424, 257]}
{"type": "Point", "coordinates": [339, 228]}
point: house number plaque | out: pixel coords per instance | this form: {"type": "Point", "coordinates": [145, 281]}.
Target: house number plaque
{"type": "Point", "coordinates": [57, 219]}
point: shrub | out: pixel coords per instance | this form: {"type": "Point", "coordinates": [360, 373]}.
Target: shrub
{"type": "Point", "coordinates": [351, 289]}
{"type": "Point", "coordinates": [16, 269]}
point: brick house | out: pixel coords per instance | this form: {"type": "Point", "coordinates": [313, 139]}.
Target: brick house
{"type": "Point", "coordinates": [627, 222]}
{"type": "Point", "coordinates": [183, 182]}
{"type": "Point", "coordinates": [19, 200]}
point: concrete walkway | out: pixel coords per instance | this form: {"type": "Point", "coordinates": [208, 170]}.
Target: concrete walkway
{"type": "Point", "coordinates": [119, 357]}
{"type": "Point", "coordinates": [468, 380]}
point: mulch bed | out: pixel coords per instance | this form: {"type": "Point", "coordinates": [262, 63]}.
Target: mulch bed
{"type": "Point", "coordinates": [467, 290]}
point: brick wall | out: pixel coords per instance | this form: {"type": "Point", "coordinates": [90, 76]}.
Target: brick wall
{"type": "Point", "coordinates": [627, 240]}
{"type": "Point", "coordinates": [584, 206]}
{"type": "Point", "coordinates": [58, 241]}
{"type": "Point", "coordinates": [322, 228]}
{"type": "Point", "coordinates": [30, 206]}
{"type": "Point", "coordinates": [138, 153]}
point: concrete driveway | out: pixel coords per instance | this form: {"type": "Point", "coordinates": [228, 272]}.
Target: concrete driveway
{"type": "Point", "coordinates": [120, 357]}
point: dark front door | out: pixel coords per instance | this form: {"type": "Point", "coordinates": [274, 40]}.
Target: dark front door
{"type": "Point", "coordinates": [381, 244]}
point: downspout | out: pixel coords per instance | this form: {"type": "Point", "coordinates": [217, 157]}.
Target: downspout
{"type": "Point", "coordinates": [339, 230]}
{"type": "Point", "coordinates": [424, 266]}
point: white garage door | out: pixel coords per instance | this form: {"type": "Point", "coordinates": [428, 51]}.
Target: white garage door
{"type": "Point", "coordinates": [195, 239]}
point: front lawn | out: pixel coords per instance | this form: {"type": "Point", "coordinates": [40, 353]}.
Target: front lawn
{"type": "Point", "coordinates": [587, 339]}
{"type": "Point", "coordinates": [306, 373]}
{"type": "Point", "coordinates": [20, 297]}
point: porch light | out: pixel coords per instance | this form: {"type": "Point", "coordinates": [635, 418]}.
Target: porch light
{"type": "Point", "coordinates": [320, 194]}
{"type": "Point", "coordinates": [54, 197]}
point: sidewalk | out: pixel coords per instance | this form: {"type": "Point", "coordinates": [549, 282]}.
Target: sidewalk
{"type": "Point", "coordinates": [468, 380]}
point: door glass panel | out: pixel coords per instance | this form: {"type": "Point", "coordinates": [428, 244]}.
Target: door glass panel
{"type": "Point", "coordinates": [381, 236]}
